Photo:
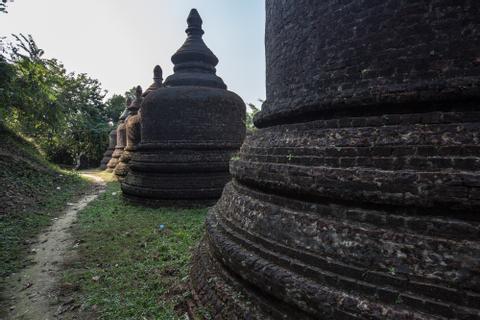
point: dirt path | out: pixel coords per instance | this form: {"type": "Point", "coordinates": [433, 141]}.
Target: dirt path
{"type": "Point", "coordinates": [31, 292]}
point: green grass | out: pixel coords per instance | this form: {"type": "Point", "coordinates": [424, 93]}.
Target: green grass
{"type": "Point", "coordinates": [32, 193]}
{"type": "Point", "coordinates": [128, 268]}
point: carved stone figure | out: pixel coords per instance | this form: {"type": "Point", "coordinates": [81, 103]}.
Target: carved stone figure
{"type": "Point", "coordinates": [121, 139]}
{"type": "Point", "coordinates": [358, 197]}
{"type": "Point", "coordinates": [190, 129]}
{"type": "Point", "coordinates": [112, 141]}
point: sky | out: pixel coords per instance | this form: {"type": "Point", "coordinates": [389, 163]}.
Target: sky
{"type": "Point", "coordinates": [120, 41]}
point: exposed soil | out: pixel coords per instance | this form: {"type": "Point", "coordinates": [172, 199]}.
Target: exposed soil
{"type": "Point", "coordinates": [33, 293]}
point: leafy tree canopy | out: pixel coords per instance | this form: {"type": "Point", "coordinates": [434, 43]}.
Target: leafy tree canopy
{"type": "Point", "coordinates": [64, 113]}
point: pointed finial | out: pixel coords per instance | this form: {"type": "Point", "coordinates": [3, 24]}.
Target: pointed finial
{"type": "Point", "coordinates": [158, 75]}
{"type": "Point", "coordinates": [137, 103]}
{"type": "Point", "coordinates": [194, 61]}
{"type": "Point", "coordinates": [194, 22]}
{"type": "Point", "coordinates": [157, 81]}
{"type": "Point", "coordinates": [138, 92]}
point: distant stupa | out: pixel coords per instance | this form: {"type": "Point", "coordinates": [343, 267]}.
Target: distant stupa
{"type": "Point", "coordinates": [132, 134]}
{"type": "Point", "coordinates": [112, 141]}
{"type": "Point", "coordinates": [121, 139]}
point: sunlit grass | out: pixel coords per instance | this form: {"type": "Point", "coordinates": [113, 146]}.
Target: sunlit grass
{"type": "Point", "coordinates": [133, 262]}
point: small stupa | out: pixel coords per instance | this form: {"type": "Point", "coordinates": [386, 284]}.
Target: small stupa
{"type": "Point", "coordinates": [112, 141]}
{"type": "Point", "coordinates": [190, 129]}
{"type": "Point", "coordinates": [132, 134]}
{"type": "Point", "coordinates": [157, 81]}
{"type": "Point", "coordinates": [121, 139]}
{"type": "Point", "coordinates": [133, 123]}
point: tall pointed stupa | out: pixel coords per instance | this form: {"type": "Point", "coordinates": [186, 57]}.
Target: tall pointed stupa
{"type": "Point", "coordinates": [112, 141]}
{"type": "Point", "coordinates": [190, 129]}
{"type": "Point", "coordinates": [132, 134]}
{"type": "Point", "coordinates": [121, 138]}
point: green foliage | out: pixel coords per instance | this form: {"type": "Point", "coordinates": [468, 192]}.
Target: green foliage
{"type": "Point", "coordinates": [129, 267]}
{"type": "Point", "coordinates": [131, 93]}
{"type": "Point", "coordinates": [30, 197]}
{"type": "Point", "coordinates": [3, 6]}
{"type": "Point", "coordinates": [114, 107]}
{"type": "Point", "coordinates": [252, 110]}
{"type": "Point", "coordinates": [63, 112]}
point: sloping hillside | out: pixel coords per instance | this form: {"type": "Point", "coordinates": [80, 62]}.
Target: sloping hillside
{"type": "Point", "coordinates": [32, 191]}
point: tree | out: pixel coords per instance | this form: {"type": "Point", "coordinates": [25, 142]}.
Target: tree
{"type": "Point", "coordinates": [252, 110]}
{"type": "Point", "coordinates": [114, 107]}
{"type": "Point", "coordinates": [3, 6]}
{"type": "Point", "coordinates": [63, 112]}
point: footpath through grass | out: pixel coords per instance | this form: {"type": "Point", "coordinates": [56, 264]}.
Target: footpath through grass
{"type": "Point", "coordinates": [32, 193]}
{"type": "Point", "coordinates": [132, 262]}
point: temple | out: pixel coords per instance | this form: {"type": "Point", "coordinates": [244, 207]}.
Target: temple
{"type": "Point", "coordinates": [358, 197]}
{"type": "Point", "coordinates": [190, 129]}
{"type": "Point", "coordinates": [121, 139]}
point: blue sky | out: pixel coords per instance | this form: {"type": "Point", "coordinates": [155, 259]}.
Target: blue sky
{"type": "Point", "coordinates": [120, 41]}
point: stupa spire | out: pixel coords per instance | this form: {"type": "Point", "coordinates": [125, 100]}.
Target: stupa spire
{"type": "Point", "coordinates": [158, 75]}
{"type": "Point", "coordinates": [125, 112]}
{"type": "Point", "coordinates": [194, 61]}
{"type": "Point", "coordinates": [157, 80]}
{"type": "Point", "coordinates": [135, 105]}
{"type": "Point", "coordinates": [194, 22]}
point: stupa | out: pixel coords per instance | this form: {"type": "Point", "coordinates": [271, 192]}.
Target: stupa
{"type": "Point", "coordinates": [190, 129]}
{"type": "Point", "coordinates": [133, 124]}
{"type": "Point", "coordinates": [359, 195]}
{"type": "Point", "coordinates": [157, 81]}
{"type": "Point", "coordinates": [132, 134]}
{"type": "Point", "coordinates": [112, 141]}
{"type": "Point", "coordinates": [121, 138]}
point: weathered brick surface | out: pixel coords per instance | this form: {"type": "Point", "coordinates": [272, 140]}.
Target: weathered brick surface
{"type": "Point", "coordinates": [121, 140]}
{"type": "Point", "coordinates": [133, 135]}
{"type": "Point", "coordinates": [351, 56]}
{"type": "Point", "coordinates": [359, 196]}
{"type": "Point", "coordinates": [190, 128]}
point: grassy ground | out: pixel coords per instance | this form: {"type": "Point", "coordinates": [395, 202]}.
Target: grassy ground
{"type": "Point", "coordinates": [32, 193]}
{"type": "Point", "coordinates": [132, 262]}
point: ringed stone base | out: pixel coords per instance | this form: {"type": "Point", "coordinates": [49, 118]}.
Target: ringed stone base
{"type": "Point", "coordinates": [174, 176]}
{"type": "Point", "coordinates": [353, 218]}
{"type": "Point", "coordinates": [121, 169]}
{"type": "Point", "coordinates": [106, 158]}
{"type": "Point", "coordinates": [112, 164]}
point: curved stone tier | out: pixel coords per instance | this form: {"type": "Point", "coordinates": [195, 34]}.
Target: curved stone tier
{"type": "Point", "coordinates": [121, 140]}
{"type": "Point", "coordinates": [190, 130]}
{"type": "Point", "coordinates": [112, 141]}
{"type": "Point", "coordinates": [365, 212]}
{"type": "Point", "coordinates": [184, 154]}
{"type": "Point", "coordinates": [132, 132]}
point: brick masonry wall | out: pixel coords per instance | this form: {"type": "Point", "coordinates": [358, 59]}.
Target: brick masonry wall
{"type": "Point", "coordinates": [334, 56]}
{"type": "Point", "coordinates": [359, 196]}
